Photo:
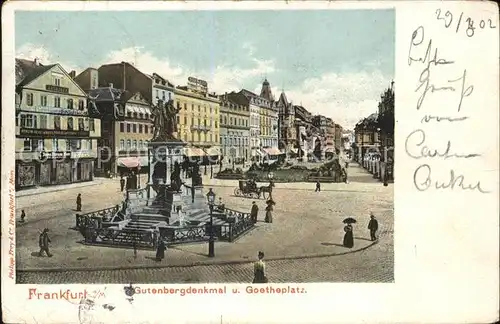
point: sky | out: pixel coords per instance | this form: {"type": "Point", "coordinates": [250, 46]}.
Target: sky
{"type": "Point", "coordinates": [334, 63]}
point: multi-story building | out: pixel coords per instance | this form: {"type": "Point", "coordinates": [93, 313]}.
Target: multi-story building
{"type": "Point", "coordinates": [303, 124]}
{"type": "Point", "coordinates": [268, 117]}
{"type": "Point", "coordinates": [366, 135]}
{"type": "Point", "coordinates": [287, 132]}
{"type": "Point", "coordinates": [198, 118]}
{"type": "Point", "coordinates": [235, 127]}
{"type": "Point", "coordinates": [339, 130]}
{"type": "Point", "coordinates": [56, 140]}
{"type": "Point", "coordinates": [127, 77]}
{"type": "Point", "coordinates": [162, 89]}
{"type": "Point", "coordinates": [255, 144]}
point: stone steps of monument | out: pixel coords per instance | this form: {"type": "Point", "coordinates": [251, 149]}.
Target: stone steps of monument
{"type": "Point", "coordinates": [148, 217]}
{"type": "Point", "coordinates": [141, 224]}
{"type": "Point", "coordinates": [205, 218]}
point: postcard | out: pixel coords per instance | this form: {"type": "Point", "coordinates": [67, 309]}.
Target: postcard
{"type": "Point", "coordinates": [250, 162]}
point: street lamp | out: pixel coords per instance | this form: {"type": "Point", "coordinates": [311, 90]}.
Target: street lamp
{"type": "Point", "coordinates": [211, 241]}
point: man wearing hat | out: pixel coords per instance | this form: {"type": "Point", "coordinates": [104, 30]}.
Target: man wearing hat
{"type": "Point", "coordinates": [254, 212]}
{"type": "Point", "coordinates": [43, 242]}
{"type": "Point", "coordinates": [373, 227]}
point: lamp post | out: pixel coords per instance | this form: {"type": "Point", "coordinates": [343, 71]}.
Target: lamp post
{"type": "Point", "coordinates": [211, 241]}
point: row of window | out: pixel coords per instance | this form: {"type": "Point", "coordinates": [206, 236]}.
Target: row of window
{"type": "Point", "coordinates": [235, 106]}
{"type": "Point", "coordinates": [231, 141]}
{"type": "Point", "coordinates": [206, 122]}
{"type": "Point", "coordinates": [41, 122]}
{"type": "Point", "coordinates": [185, 106]}
{"type": "Point", "coordinates": [55, 102]}
{"type": "Point", "coordinates": [135, 128]}
{"type": "Point", "coordinates": [234, 121]}
{"type": "Point", "coordinates": [133, 144]}
{"type": "Point", "coordinates": [163, 97]}
{"type": "Point", "coordinates": [199, 137]}
{"type": "Point", "coordinates": [38, 145]}
{"type": "Point", "coordinates": [138, 115]}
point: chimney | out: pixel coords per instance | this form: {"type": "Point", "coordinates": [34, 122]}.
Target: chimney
{"type": "Point", "coordinates": [111, 85]}
{"type": "Point", "coordinates": [37, 61]}
{"type": "Point", "coordinates": [72, 74]}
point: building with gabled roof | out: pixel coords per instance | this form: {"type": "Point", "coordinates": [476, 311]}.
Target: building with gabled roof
{"type": "Point", "coordinates": [56, 136]}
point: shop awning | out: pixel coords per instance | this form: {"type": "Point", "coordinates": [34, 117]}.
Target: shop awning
{"type": "Point", "coordinates": [271, 151]}
{"type": "Point", "coordinates": [133, 162]}
{"type": "Point", "coordinates": [194, 151]}
{"type": "Point", "coordinates": [128, 162]}
{"type": "Point", "coordinates": [213, 151]}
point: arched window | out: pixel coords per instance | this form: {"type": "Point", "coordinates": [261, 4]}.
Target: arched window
{"type": "Point", "coordinates": [134, 145]}
{"type": "Point", "coordinates": [122, 144]}
{"type": "Point", "coordinates": [129, 144]}
{"type": "Point", "coordinates": [140, 144]}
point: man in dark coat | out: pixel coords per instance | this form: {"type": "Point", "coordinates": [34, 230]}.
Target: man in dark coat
{"type": "Point", "coordinates": [79, 202]}
{"type": "Point", "coordinates": [23, 216]}
{"type": "Point", "coordinates": [122, 184]}
{"type": "Point", "coordinates": [160, 250]}
{"type": "Point", "coordinates": [318, 186]}
{"type": "Point", "coordinates": [254, 212]}
{"type": "Point", "coordinates": [373, 227]}
{"type": "Point", "coordinates": [43, 242]}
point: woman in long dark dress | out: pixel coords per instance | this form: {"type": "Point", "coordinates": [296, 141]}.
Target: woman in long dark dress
{"type": "Point", "coordinates": [348, 236]}
{"type": "Point", "coordinates": [160, 250]}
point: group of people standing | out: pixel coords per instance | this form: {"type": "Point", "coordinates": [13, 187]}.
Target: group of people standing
{"type": "Point", "coordinates": [254, 212]}
{"type": "Point", "coordinates": [349, 235]}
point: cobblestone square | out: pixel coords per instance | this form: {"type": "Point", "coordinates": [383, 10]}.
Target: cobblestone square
{"type": "Point", "coordinates": [303, 244]}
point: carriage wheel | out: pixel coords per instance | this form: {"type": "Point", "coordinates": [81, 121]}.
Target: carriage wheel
{"type": "Point", "coordinates": [236, 191]}
{"type": "Point", "coordinates": [265, 194]}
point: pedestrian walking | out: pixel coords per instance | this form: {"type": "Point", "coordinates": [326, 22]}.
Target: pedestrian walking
{"type": "Point", "coordinates": [23, 216]}
{"type": "Point", "coordinates": [43, 242]}
{"type": "Point", "coordinates": [259, 270]}
{"type": "Point", "coordinates": [318, 186]}
{"type": "Point", "coordinates": [269, 211]}
{"type": "Point", "coordinates": [373, 227]}
{"type": "Point", "coordinates": [122, 184]}
{"type": "Point", "coordinates": [79, 202]}
{"type": "Point", "coordinates": [254, 212]}
{"type": "Point", "coordinates": [160, 250]}
{"type": "Point", "coordinates": [348, 236]}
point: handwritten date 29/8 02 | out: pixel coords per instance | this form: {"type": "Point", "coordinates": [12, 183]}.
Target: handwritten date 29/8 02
{"type": "Point", "coordinates": [448, 19]}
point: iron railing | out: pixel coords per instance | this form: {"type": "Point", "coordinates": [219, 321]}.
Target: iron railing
{"type": "Point", "coordinates": [95, 219]}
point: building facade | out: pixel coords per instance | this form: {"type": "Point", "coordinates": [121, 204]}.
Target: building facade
{"type": "Point", "coordinates": [56, 140]}
{"type": "Point", "coordinates": [254, 124]}
{"type": "Point", "coordinates": [287, 132]}
{"type": "Point", "coordinates": [162, 89]}
{"type": "Point", "coordinates": [268, 117]}
{"type": "Point", "coordinates": [235, 127]}
{"type": "Point", "coordinates": [198, 118]}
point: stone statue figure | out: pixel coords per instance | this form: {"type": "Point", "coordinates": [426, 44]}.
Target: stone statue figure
{"type": "Point", "coordinates": [164, 120]}
{"type": "Point", "coordinates": [175, 177]}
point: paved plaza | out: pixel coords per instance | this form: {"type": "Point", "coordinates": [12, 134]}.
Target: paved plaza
{"type": "Point", "coordinates": [305, 224]}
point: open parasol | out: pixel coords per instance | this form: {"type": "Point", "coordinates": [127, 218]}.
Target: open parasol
{"type": "Point", "coordinates": [349, 220]}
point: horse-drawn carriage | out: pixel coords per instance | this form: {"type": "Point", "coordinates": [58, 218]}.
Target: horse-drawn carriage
{"type": "Point", "coordinates": [250, 190]}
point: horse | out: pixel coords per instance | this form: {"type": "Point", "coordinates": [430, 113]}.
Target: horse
{"type": "Point", "coordinates": [266, 189]}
